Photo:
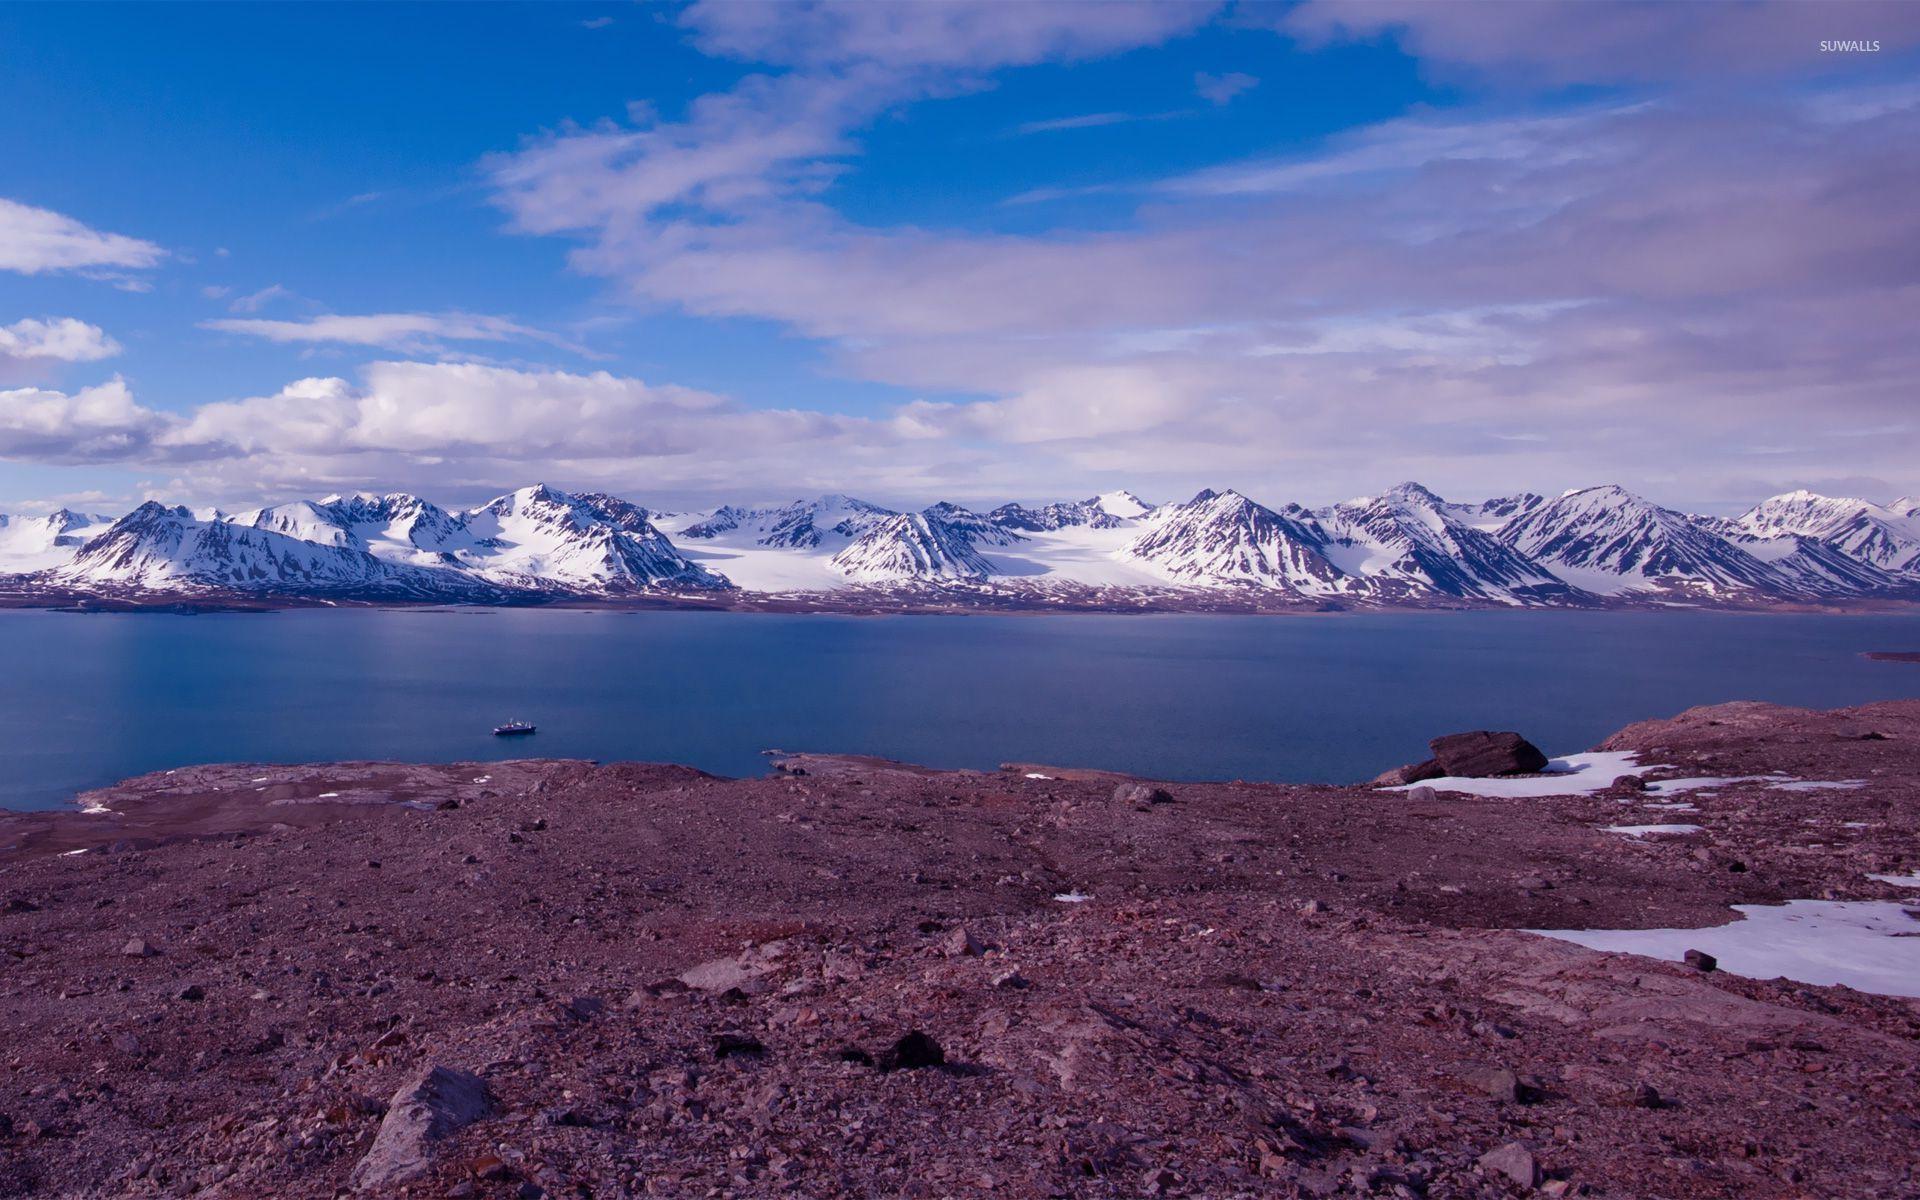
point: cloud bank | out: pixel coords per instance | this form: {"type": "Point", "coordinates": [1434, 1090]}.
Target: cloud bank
{"type": "Point", "coordinates": [1659, 285]}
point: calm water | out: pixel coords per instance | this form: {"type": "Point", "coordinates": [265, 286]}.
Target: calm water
{"type": "Point", "coordinates": [85, 700]}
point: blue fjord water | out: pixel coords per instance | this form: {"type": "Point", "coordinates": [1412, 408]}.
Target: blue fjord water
{"type": "Point", "coordinates": [88, 699]}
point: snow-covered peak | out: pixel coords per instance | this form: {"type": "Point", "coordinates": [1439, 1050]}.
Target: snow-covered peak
{"type": "Point", "coordinates": [981, 529]}
{"type": "Point", "coordinates": [157, 548]}
{"type": "Point", "coordinates": [40, 543]}
{"type": "Point", "coordinates": [912, 547]}
{"type": "Point", "coordinates": [596, 543]}
{"type": "Point", "coordinates": [1122, 504]}
{"type": "Point", "coordinates": [1223, 538]}
{"type": "Point", "coordinates": [1411, 535]}
{"type": "Point", "coordinates": [822, 521]}
{"type": "Point", "coordinates": [1886, 536]}
{"type": "Point", "coordinates": [1608, 540]}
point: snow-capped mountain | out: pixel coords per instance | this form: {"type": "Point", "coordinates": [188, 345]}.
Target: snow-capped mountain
{"type": "Point", "coordinates": [1608, 541]}
{"type": "Point", "coordinates": [1410, 534]}
{"type": "Point", "coordinates": [913, 547]}
{"type": "Point", "coordinates": [1051, 517]}
{"type": "Point", "coordinates": [159, 549]}
{"type": "Point", "coordinates": [539, 536]}
{"type": "Point", "coordinates": [832, 520]}
{"type": "Point", "coordinates": [1225, 538]}
{"type": "Point", "coordinates": [1885, 536]}
{"type": "Point", "coordinates": [1405, 546]}
{"type": "Point", "coordinates": [397, 527]}
{"type": "Point", "coordinates": [1490, 515]}
{"type": "Point", "coordinates": [980, 528]}
{"type": "Point", "coordinates": [30, 544]}
{"type": "Point", "coordinates": [1807, 566]}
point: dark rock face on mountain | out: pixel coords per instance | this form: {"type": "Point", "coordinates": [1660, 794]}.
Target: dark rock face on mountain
{"type": "Point", "coordinates": [676, 985]}
{"type": "Point", "coordinates": [1481, 754]}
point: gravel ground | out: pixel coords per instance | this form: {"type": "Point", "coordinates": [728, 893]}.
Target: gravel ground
{"type": "Point", "coordinates": [562, 979]}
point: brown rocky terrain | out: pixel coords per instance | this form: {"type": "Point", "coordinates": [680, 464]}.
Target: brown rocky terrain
{"type": "Point", "coordinates": [859, 978]}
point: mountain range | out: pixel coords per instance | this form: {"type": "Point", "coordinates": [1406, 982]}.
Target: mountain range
{"type": "Point", "coordinates": [1405, 547]}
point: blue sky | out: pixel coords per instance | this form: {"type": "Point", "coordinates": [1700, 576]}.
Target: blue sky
{"type": "Point", "coordinates": [694, 252]}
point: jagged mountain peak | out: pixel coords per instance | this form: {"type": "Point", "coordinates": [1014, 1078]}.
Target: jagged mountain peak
{"type": "Point", "coordinates": [913, 546]}
{"type": "Point", "coordinates": [1411, 535]}
{"type": "Point", "coordinates": [1121, 504]}
{"type": "Point", "coordinates": [1881, 535]}
{"type": "Point", "coordinates": [808, 523]}
{"type": "Point", "coordinates": [1222, 537]}
{"type": "Point", "coordinates": [1608, 540]}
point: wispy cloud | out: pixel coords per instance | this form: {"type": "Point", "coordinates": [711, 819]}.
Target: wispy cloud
{"type": "Point", "coordinates": [36, 240]}
{"type": "Point", "coordinates": [409, 332]}
{"type": "Point", "coordinates": [596, 22]}
{"type": "Point", "coordinates": [253, 302]}
{"type": "Point", "coordinates": [1083, 121]}
{"type": "Point", "coordinates": [1221, 89]}
{"type": "Point", "coordinates": [1603, 41]}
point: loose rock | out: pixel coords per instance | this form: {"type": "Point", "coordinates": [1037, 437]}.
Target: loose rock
{"type": "Point", "coordinates": [914, 1050]}
{"type": "Point", "coordinates": [1141, 795]}
{"type": "Point", "coordinates": [1514, 1161]}
{"type": "Point", "coordinates": [433, 1103]}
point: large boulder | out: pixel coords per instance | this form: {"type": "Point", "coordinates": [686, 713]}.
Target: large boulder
{"type": "Point", "coordinates": [1482, 753]}
{"type": "Point", "coordinates": [433, 1103]}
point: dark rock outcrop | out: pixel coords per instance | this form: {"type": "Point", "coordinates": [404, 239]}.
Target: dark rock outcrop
{"type": "Point", "coordinates": [1481, 753]}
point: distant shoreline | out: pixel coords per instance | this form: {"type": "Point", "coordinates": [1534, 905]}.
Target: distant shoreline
{"type": "Point", "coordinates": [925, 602]}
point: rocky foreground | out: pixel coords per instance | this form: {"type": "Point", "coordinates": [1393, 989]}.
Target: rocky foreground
{"type": "Point", "coordinates": [859, 978]}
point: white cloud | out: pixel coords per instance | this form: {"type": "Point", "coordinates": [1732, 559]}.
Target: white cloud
{"type": "Point", "coordinates": [417, 424]}
{"type": "Point", "coordinates": [36, 240]}
{"type": "Point", "coordinates": [1083, 121]}
{"type": "Point", "coordinates": [62, 339]}
{"type": "Point", "coordinates": [1221, 89]}
{"type": "Point", "coordinates": [96, 424]}
{"type": "Point", "coordinates": [1401, 301]}
{"type": "Point", "coordinates": [411, 332]}
{"type": "Point", "coordinates": [253, 302]}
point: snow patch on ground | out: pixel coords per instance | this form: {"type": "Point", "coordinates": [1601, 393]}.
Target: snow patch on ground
{"type": "Point", "coordinates": [1073, 897]}
{"type": "Point", "coordinates": [1574, 775]}
{"type": "Point", "coordinates": [1869, 945]}
{"type": "Point", "coordinates": [1639, 831]}
{"type": "Point", "coordinates": [1906, 881]}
